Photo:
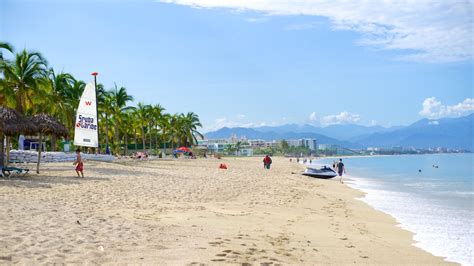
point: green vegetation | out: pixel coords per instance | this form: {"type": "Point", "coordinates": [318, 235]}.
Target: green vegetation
{"type": "Point", "coordinates": [283, 148]}
{"type": "Point", "coordinates": [30, 86]}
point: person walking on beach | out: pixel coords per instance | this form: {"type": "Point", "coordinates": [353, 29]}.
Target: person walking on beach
{"type": "Point", "coordinates": [340, 170]}
{"type": "Point", "coordinates": [79, 164]}
{"type": "Point", "coordinates": [267, 161]}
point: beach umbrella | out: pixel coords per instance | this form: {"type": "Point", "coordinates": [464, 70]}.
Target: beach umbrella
{"type": "Point", "coordinates": [12, 123]}
{"type": "Point", "coordinates": [47, 125]}
{"type": "Point", "coordinates": [183, 149]}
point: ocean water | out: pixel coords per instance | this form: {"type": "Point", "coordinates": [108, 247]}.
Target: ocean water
{"type": "Point", "coordinates": [436, 204]}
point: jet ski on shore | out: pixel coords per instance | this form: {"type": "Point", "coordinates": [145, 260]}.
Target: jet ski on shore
{"type": "Point", "coordinates": [320, 172]}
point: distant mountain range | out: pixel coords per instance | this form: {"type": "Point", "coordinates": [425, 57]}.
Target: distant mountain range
{"type": "Point", "coordinates": [456, 133]}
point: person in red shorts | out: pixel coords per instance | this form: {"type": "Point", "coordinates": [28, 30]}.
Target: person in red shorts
{"type": "Point", "coordinates": [79, 164]}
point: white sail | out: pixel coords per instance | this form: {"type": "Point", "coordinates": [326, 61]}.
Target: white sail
{"type": "Point", "coordinates": [85, 133]}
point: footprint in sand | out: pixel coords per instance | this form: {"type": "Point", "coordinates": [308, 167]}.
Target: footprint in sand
{"type": "Point", "coordinates": [215, 243]}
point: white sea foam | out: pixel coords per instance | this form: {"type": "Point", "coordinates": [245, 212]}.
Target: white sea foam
{"type": "Point", "coordinates": [439, 228]}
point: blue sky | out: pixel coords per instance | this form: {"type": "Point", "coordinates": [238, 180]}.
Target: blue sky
{"type": "Point", "coordinates": [249, 63]}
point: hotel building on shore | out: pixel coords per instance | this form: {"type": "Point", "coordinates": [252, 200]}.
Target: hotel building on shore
{"type": "Point", "coordinates": [247, 146]}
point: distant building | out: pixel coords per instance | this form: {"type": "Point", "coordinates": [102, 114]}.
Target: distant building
{"type": "Point", "coordinates": [256, 143]}
{"type": "Point", "coordinates": [295, 143]}
{"type": "Point", "coordinates": [222, 146]}
{"type": "Point", "coordinates": [246, 151]}
{"type": "Point", "coordinates": [272, 144]}
{"type": "Point", "coordinates": [311, 144]}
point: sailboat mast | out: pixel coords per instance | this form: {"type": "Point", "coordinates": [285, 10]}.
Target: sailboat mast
{"type": "Point", "coordinates": [96, 109]}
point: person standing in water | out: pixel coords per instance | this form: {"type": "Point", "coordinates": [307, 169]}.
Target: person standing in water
{"type": "Point", "coordinates": [267, 161]}
{"type": "Point", "coordinates": [340, 170]}
{"type": "Point", "coordinates": [79, 164]}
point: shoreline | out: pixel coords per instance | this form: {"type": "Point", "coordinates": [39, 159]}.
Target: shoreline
{"type": "Point", "coordinates": [418, 239]}
{"type": "Point", "coordinates": [189, 211]}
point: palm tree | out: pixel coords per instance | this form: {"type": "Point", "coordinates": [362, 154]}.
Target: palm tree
{"type": "Point", "coordinates": [238, 147]}
{"type": "Point", "coordinates": [106, 109]}
{"type": "Point", "coordinates": [56, 88]}
{"type": "Point", "coordinates": [120, 97]}
{"type": "Point", "coordinates": [155, 114]}
{"type": "Point", "coordinates": [190, 124]}
{"type": "Point", "coordinates": [8, 47]}
{"type": "Point", "coordinates": [128, 117]}
{"type": "Point", "coordinates": [176, 129]}
{"type": "Point", "coordinates": [230, 149]}
{"type": "Point", "coordinates": [23, 76]}
{"type": "Point", "coordinates": [164, 123]}
{"type": "Point", "coordinates": [141, 114]}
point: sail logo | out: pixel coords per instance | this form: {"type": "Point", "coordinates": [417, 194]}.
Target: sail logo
{"type": "Point", "coordinates": [86, 122]}
{"type": "Point", "coordinates": [88, 103]}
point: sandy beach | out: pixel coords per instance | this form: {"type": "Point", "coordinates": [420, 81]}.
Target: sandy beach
{"type": "Point", "coordinates": [190, 212]}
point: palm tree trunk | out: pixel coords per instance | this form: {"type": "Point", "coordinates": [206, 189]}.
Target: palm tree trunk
{"type": "Point", "coordinates": [117, 135]}
{"type": "Point", "coordinates": [2, 155]}
{"type": "Point", "coordinates": [8, 151]}
{"type": "Point", "coordinates": [135, 136]}
{"type": "Point", "coordinates": [143, 138]}
{"type": "Point", "coordinates": [39, 153]}
{"type": "Point", "coordinates": [151, 147]}
{"type": "Point", "coordinates": [126, 144]}
{"type": "Point", "coordinates": [53, 142]}
{"type": "Point", "coordinates": [106, 131]}
{"type": "Point", "coordinates": [19, 102]}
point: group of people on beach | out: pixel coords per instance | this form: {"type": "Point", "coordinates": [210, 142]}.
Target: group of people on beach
{"type": "Point", "coordinates": [267, 162]}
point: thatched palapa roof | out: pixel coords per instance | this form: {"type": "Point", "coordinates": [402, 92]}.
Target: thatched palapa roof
{"type": "Point", "coordinates": [12, 123]}
{"type": "Point", "coordinates": [48, 125]}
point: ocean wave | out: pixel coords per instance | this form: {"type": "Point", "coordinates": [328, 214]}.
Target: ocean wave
{"type": "Point", "coordinates": [437, 228]}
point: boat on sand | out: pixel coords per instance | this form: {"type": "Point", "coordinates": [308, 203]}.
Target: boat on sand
{"type": "Point", "coordinates": [324, 172]}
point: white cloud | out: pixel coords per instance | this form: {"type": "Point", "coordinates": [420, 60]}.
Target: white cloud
{"type": "Point", "coordinates": [313, 118]}
{"type": "Point", "coordinates": [433, 109]}
{"type": "Point", "coordinates": [341, 118]}
{"type": "Point", "coordinates": [257, 20]}
{"type": "Point", "coordinates": [238, 120]}
{"type": "Point", "coordinates": [428, 30]}
{"type": "Point", "coordinates": [337, 119]}
{"type": "Point", "coordinates": [226, 122]}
